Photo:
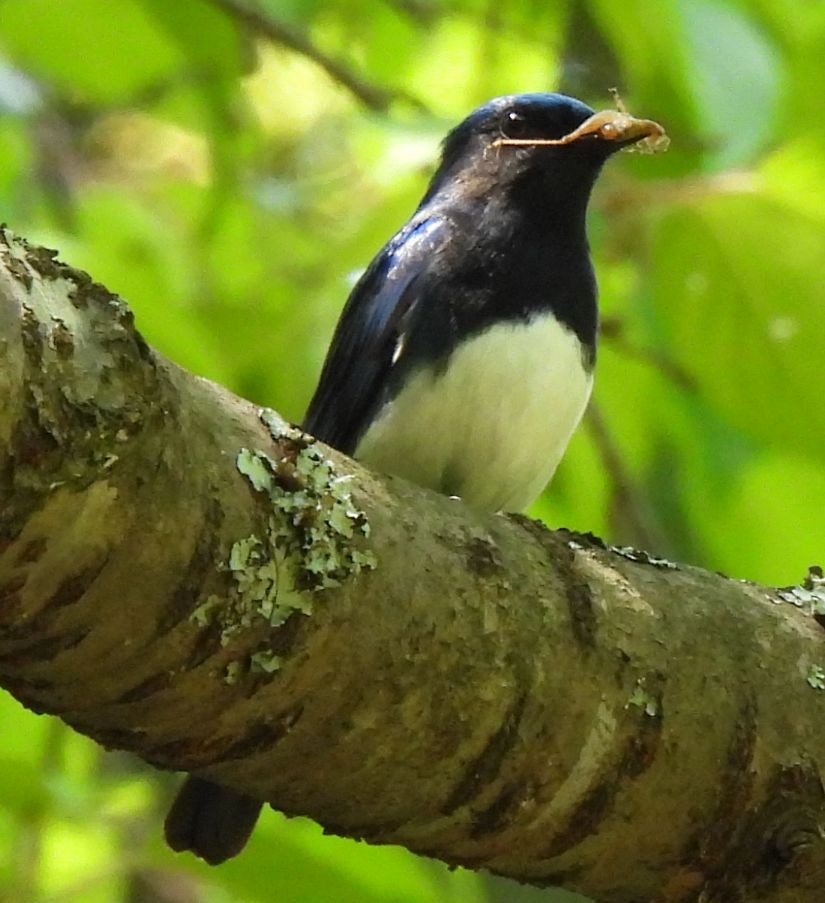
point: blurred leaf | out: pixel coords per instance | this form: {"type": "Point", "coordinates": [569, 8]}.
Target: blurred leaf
{"type": "Point", "coordinates": [22, 788]}
{"type": "Point", "coordinates": [212, 45]}
{"type": "Point", "coordinates": [70, 43]}
{"type": "Point", "coordinates": [794, 176]}
{"type": "Point", "coordinates": [80, 858]}
{"type": "Point", "coordinates": [14, 164]}
{"type": "Point", "coordinates": [736, 75]}
{"type": "Point", "coordinates": [742, 311]}
{"type": "Point", "coordinates": [19, 95]}
{"type": "Point", "coordinates": [578, 496]}
{"type": "Point", "coordinates": [135, 254]}
{"type": "Point", "coordinates": [23, 732]}
{"type": "Point", "coordinates": [650, 42]}
{"type": "Point", "coordinates": [769, 528]}
{"type": "Point", "coordinates": [206, 35]}
{"type": "Point", "coordinates": [477, 64]}
{"type": "Point", "coordinates": [389, 43]}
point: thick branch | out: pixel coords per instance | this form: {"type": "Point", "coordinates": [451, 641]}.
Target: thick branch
{"type": "Point", "coordinates": [185, 579]}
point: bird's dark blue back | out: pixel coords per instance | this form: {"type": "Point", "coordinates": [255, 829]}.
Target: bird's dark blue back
{"type": "Point", "coordinates": [383, 306]}
{"type": "Point", "coordinates": [454, 269]}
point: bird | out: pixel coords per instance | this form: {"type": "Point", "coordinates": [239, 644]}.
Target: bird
{"type": "Point", "coordinates": [463, 359]}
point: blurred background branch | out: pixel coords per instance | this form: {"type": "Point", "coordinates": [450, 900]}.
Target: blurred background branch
{"type": "Point", "coordinates": [373, 96]}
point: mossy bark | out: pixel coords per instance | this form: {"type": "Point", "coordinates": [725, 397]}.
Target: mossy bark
{"type": "Point", "coordinates": [187, 578]}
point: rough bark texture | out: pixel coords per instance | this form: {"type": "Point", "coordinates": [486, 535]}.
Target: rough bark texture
{"type": "Point", "coordinates": [185, 578]}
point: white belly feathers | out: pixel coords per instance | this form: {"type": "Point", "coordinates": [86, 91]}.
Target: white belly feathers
{"type": "Point", "coordinates": [493, 426]}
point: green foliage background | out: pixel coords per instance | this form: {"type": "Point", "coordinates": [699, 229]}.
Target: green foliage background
{"type": "Point", "coordinates": [231, 189]}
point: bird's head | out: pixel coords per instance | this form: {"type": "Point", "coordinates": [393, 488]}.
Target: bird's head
{"type": "Point", "coordinates": [537, 139]}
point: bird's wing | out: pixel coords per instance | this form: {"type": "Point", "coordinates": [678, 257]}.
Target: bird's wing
{"type": "Point", "coordinates": [370, 337]}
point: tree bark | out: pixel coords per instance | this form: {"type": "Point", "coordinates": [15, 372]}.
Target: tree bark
{"type": "Point", "coordinates": [188, 577]}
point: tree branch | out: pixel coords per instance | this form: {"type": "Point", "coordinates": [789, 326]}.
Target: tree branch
{"type": "Point", "coordinates": [187, 578]}
{"type": "Point", "coordinates": [374, 97]}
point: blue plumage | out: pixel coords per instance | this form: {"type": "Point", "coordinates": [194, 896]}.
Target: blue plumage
{"type": "Point", "coordinates": [497, 241]}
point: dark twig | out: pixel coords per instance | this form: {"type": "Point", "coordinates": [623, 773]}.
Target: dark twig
{"type": "Point", "coordinates": [422, 12]}
{"type": "Point", "coordinates": [373, 96]}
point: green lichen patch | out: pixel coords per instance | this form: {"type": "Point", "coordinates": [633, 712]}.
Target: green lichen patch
{"type": "Point", "coordinates": [816, 677]}
{"type": "Point", "coordinates": [280, 429]}
{"type": "Point", "coordinates": [643, 699]}
{"type": "Point", "coordinates": [256, 566]}
{"type": "Point", "coordinates": [233, 672]}
{"type": "Point", "coordinates": [87, 386]}
{"type": "Point", "coordinates": [207, 612]}
{"type": "Point", "coordinates": [809, 595]}
{"type": "Point", "coordinates": [315, 525]}
{"type": "Point", "coordinates": [266, 661]}
{"type": "Point", "coordinates": [311, 542]}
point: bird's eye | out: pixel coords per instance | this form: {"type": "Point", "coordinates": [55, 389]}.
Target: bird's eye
{"type": "Point", "coordinates": [513, 125]}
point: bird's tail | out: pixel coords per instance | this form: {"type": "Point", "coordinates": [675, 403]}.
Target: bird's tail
{"type": "Point", "coordinates": [210, 821]}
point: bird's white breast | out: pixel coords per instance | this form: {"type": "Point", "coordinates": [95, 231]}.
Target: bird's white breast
{"type": "Point", "coordinates": [493, 424]}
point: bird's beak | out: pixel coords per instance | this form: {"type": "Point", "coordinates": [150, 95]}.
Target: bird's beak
{"type": "Point", "coordinates": [621, 129]}
{"type": "Point", "coordinates": [615, 126]}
